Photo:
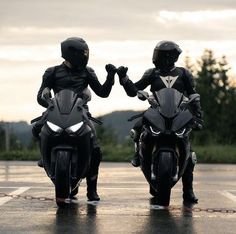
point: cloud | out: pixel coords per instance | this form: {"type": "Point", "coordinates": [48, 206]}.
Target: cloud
{"type": "Point", "coordinates": [119, 32]}
{"type": "Point", "coordinates": [93, 13]}
{"type": "Point", "coordinates": [195, 17]}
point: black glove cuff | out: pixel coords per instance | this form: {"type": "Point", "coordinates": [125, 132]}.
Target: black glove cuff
{"type": "Point", "coordinates": [111, 78]}
{"type": "Point", "coordinates": [123, 80]}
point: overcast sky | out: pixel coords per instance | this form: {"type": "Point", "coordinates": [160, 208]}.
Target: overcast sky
{"type": "Point", "coordinates": [119, 32]}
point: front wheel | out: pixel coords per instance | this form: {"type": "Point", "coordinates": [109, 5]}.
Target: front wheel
{"type": "Point", "coordinates": [164, 169]}
{"type": "Point", "coordinates": [62, 177]}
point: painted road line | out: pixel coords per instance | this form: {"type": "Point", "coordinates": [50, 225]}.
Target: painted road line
{"type": "Point", "coordinates": [19, 191]}
{"type": "Point", "coordinates": [228, 195]}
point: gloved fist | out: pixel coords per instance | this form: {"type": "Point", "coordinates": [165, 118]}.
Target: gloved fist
{"type": "Point", "coordinates": [196, 109]}
{"type": "Point", "coordinates": [121, 71]}
{"type": "Point", "coordinates": [111, 70]}
{"type": "Point", "coordinates": [197, 125]}
{"type": "Point", "coordinates": [46, 94]}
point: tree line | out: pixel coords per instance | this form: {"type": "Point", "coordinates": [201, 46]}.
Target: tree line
{"type": "Point", "coordinates": [218, 100]}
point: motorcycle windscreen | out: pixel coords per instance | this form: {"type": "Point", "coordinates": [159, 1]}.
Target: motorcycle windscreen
{"type": "Point", "coordinates": [181, 120]}
{"type": "Point", "coordinates": [154, 117]}
{"type": "Point", "coordinates": [65, 100]}
{"type": "Point", "coordinates": [169, 100]}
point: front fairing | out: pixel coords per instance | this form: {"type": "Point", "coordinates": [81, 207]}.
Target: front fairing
{"type": "Point", "coordinates": [67, 110]}
{"type": "Point", "coordinates": [169, 101]}
{"type": "Point", "coordinates": [181, 120]}
{"type": "Point", "coordinates": [168, 117]}
{"type": "Point", "coordinates": [154, 117]}
{"type": "Point", "coordinates": [65, 120]}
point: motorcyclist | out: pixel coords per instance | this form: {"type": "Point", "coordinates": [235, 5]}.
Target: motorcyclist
{"type": "Point", "coordinates": [164, 75]}
{"type": "Point", "coordinates": [74, 74]}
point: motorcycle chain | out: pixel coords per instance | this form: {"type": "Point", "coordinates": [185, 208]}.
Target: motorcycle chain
{"type": "Point", "coordinates": [172, 208]}
{"type": "Point", "coordinates": [27, 197]}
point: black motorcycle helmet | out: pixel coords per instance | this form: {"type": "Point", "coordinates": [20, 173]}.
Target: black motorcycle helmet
{"type": "Point", "coordinates": [75, 50]}
{"type": "Point", "coordinates": [165, 54]}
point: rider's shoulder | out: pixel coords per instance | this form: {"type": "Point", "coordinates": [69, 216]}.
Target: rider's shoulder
{"type": "Point", "coordinates": [149, 71]}
{"type": "Point", "coordinates": [187, 75]}
{"type": "Point", "coordinates": [89, 69]}
{"type": "Point", "coordinates": [90, 72]}
{"type": "Point", "coordinates": [185, 72]}
{"type": "Point", "coordinates": [51, 70]}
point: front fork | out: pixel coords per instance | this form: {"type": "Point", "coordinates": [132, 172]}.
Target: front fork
{"type": "Point", "coordinates": [73, 159]}
{"type": "Point", "coordinates": [146, 145]}
{"type": "Point", "coordinates": [147, 148]}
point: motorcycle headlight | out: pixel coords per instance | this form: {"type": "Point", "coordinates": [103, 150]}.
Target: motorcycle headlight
{"type": "Point", "coordinates": [54, 127]}
{"type": "Point", "coordinates": [75, 128]}
{"type": "Point", "coordinates": [180, 133]}
{"type": "Point", "coordinates": [155, 132]}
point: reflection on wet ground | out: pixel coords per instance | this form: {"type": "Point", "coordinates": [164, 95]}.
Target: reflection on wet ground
{"type": "Point", "coordinates": [126, 206]}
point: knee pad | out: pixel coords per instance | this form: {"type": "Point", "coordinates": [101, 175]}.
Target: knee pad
{"type": "Point", "coordinates": [97, 155]}
{"type": "Point", "coordinates": [134, 135]}
{"type": "Point", "coordinates": [193, 157]}
{"type": "Point", "coordinates": [35, 131]}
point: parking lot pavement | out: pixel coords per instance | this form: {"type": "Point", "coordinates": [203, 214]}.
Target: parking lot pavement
{"type": "Point", "coordinates": [27, 205]}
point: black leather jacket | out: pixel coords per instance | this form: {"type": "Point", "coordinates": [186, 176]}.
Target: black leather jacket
{"type": "Point", "coordinates": [177, 78]}
{"type": "Point", "coordinates": [62, 77]}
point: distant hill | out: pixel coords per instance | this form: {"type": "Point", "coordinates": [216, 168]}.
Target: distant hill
{"type": "Point", "coordinates": [116, 120]}
{"type": "Point", "coordinates": [21, 129]}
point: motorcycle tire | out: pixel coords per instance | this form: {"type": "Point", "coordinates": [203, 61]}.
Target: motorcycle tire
{"type": "Point", "coordinates": [164, 169]}
{"type": "Point", "coordinates": [62, 177]}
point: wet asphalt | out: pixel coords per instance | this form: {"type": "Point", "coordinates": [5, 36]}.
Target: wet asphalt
{"type": "Point", "coordinates": [125, 206]}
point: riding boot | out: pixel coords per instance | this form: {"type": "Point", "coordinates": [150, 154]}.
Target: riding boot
{"type": "Point", "coordinates": [187, 180]}
{"type": "Point", "coordinates": [92, 188]}
{"type": "Point", "coordinates": [92, 176]}
{"type": "Point", "coordinates": [36, 129]}
{"type": "Point", "coordinates": [40, 162]}
{"type": "Point", "coordinates": [74, 193]}
{"type": "Point", "coordinates": [136, 160]}
{"type": "Point", "coordinates": [135, 134]}
{"type": "Point", "coordinates": [152, 191]}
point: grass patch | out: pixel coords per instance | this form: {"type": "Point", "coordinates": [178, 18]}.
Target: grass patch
{"type": "Point", "coordinates": [205, 154]}
{"type": "Point", "coordinates": [18, 155]}
{"type": "Point", "coordinates": [117, 153]}
{"type": "Point", "coordinates": [216, 153]}
{"type": "Point", "coordinates": [123, 153]}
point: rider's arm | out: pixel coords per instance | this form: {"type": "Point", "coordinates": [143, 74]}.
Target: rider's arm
{"type": "Point", "coordinates": [132, 88]}
{"type": "Point", "coordinates": [101, 90]}
{"type": "Point", "coordinates": [46, 82]}
{"type": "Point", "coordinates": [189, 83]}
{"type": "Point", "coordinates": [190, 90]}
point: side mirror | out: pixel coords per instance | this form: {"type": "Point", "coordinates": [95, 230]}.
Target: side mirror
{"type": "Point", "coordinates": [142, 95]}
{"type": "Point", "coordinates": [46, 94]}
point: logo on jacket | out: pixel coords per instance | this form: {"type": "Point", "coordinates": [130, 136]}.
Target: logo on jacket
{"type": "Point", "coordinates": [169, 80]}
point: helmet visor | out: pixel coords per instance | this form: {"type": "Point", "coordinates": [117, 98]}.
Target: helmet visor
{"type": "Point", "coordinates": [78, 58]}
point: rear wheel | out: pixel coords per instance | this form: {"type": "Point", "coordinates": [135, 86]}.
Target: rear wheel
{"type": "Point", "coordinates": [163, 170]}
{"type": "Point", "coordinates": [62, 177]}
